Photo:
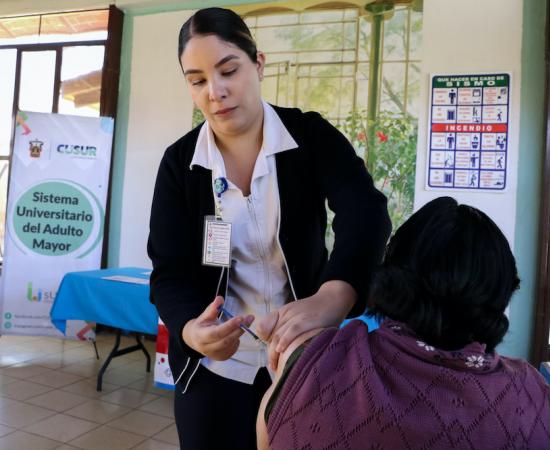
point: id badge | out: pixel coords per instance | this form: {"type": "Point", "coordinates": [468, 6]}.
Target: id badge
{"type": "Point", "coordinates": [216, 243]}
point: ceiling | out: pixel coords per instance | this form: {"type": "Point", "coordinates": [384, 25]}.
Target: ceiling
{"type": "Point", "coordinates": [54, 24]}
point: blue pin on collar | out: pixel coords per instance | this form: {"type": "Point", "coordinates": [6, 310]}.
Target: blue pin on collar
{"type": "Point", "coordinates": [220, 186]}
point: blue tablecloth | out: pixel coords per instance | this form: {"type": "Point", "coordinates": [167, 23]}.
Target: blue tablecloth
{"type": "Point", "coordinates": [87, 296]}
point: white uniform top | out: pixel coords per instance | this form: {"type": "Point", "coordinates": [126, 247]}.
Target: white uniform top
{"type": "Point", "coordinates": [258, 281]}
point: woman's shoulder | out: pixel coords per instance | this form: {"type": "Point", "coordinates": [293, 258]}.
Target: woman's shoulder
{"type": "Point", "coordinates": [529, 376]}
{"type": "Point", "coordinates": [330, 340]}
{"type": "Point", "coordinates": [324, 354]}
{"type": "Point", "coordinates": [295, 113]}
{"type": "Point", "coordinates": [182, 150]}
{"type": "Point", "coordinates": [315, 344]}
{"type": "Point", "coordinates": [298, 121]}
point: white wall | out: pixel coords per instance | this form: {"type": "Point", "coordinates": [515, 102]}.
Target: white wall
{"type": "Point", "coordinates": [160, 112]}
{"type": "Point", "coordinates": [472, 36]}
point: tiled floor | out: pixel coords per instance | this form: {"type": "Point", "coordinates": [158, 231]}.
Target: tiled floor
{"type": "Point", "coordinates": [48, 398]}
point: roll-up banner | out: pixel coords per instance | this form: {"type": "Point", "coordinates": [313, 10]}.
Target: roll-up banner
{"type": "Point", "coordinates": [55, 215]}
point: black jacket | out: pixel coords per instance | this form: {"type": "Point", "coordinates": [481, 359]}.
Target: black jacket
{"type": "Point", "coordinates": [324, 167]}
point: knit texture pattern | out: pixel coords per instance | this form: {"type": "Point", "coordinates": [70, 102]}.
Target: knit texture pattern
{"type": "Point", "coordinates": [387, 389]}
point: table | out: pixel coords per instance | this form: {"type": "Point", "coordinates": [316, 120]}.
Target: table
{"type": "Point", "coordinates": [124, 306]}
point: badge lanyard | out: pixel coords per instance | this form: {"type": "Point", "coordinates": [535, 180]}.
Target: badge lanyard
{"type": "Point", "coordinates": [217, 232]}
{"type": "Point", "coordinates": [220, 186]}
{"type": "Point", "coordinates": [217, 240]}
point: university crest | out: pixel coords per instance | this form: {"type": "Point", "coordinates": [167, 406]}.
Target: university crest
{"type": "Point", "coordinates": [35, 148]}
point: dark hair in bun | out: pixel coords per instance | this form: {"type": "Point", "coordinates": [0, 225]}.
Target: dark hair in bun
{"type": "Point", "coordinates": [223, 23]}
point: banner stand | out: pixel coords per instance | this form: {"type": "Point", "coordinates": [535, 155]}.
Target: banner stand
{"type": "Point", "coordinates": [59, 179]}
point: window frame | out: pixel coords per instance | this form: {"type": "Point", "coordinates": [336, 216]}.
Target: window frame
{"type": "Point", "coordinates": [58, 48]}
{"type": "Point", "coordinates": [294, 66]}
{"type": "Point", "coordinates": [110, 75]}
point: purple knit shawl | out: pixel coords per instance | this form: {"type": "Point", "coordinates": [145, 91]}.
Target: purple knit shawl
{"type": "Point", "coordinates": [389, 390]}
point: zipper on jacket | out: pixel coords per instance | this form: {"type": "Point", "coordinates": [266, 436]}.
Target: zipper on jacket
{"type": "Point", "coordinates": [261, 251]}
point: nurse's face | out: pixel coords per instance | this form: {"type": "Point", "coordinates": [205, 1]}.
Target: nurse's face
{"type": "Point", "coordinates": [224, 83]}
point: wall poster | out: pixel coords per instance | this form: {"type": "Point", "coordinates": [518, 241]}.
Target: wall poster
{"type": "Point", "coordinates": [468, 132]}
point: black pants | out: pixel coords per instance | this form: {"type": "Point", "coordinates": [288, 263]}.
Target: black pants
{"type": "Point", "coordinates": [219, 413]}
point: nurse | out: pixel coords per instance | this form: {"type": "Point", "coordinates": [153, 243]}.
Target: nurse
{"type": "Point", "coordinates": [238, 221]}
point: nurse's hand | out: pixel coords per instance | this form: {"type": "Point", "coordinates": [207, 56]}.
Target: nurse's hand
{"type": "Point", "coordinates": [218, 341]}
{"type": "Point", "coordinates": [328, 307]}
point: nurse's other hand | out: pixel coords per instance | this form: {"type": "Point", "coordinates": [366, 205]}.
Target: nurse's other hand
{"type": "Point", "coordinates": [328, 307]}
{"type": "Point", "coordinates": [218, 341]}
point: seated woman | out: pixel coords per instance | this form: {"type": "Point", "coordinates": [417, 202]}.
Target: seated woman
{"type": "Point", "coordinates": [429, 377]}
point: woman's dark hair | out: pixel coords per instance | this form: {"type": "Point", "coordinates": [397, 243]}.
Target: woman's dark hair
{"type": "Point", "coordinates": [449, 274]}
{"type": "Point", "coordinates": [227, 25]}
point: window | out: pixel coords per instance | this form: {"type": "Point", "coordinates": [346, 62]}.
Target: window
{"type": "Point", "coordinates": [55, 63]}
{"type": "Point", "coordinates": [319, 60]}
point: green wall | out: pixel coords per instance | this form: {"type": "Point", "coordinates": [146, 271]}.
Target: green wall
{"type": "Point", "coordinates": [518, 341]}
{"type": "Point", "coordinates": [121, 138]}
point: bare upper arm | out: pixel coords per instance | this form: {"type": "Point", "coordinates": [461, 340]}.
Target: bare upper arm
{"type": "Point", "coordinates": [261, 426]}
